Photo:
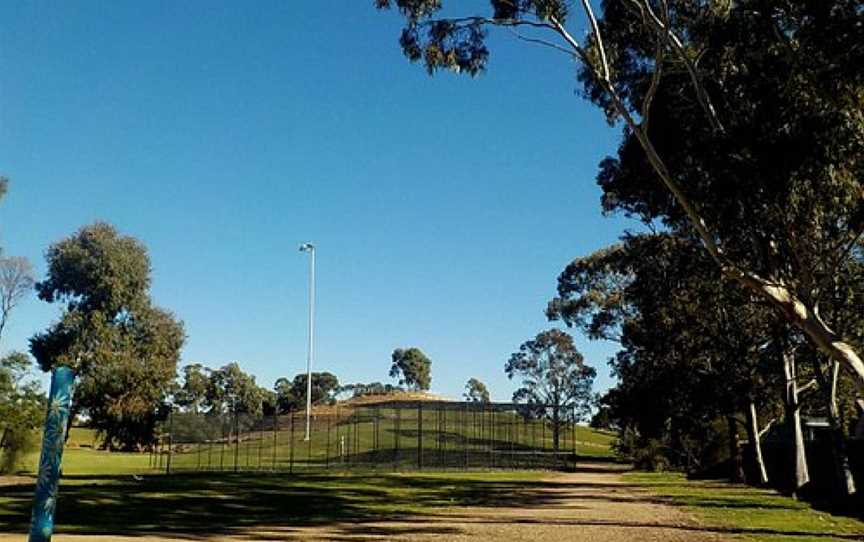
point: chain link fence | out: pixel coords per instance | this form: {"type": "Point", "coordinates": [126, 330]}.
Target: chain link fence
{"type": "Point", "coordinates": [391, 435]}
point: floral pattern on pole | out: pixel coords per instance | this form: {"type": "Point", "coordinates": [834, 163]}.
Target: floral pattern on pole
{"type": "Point", "coordinates": [56, 419]}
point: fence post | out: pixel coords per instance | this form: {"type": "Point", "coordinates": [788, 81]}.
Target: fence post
{"type": "Point", "coordinates": [396, 443]}
{"type": "Point", "coordinates": [236, 440]}
{"type": "Point", "coordinates": [170, 440]}
{"type": "Point", "coordinates": [491, 437]}
{"type": "Point", "coordinates": [465, 441]}
{"type": "Point", "coordinates": [419, 435]}
{"type": "Point", "coordinates": [291, 448]}
{"type": "Point", "coordinates": [275, 433]}
{"type": "Point", "coordinates": [327, 456]}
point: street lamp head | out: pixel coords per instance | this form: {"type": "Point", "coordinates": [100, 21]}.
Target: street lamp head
{"type": "Point", "coordinates": [307, 247]}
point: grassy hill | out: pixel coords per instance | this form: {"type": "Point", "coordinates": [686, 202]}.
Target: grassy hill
{"type": "Point", "coordinates": [261, 449]}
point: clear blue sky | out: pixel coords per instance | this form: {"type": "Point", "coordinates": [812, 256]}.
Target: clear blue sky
{"type": "Point", "coordinates": [224, 134]}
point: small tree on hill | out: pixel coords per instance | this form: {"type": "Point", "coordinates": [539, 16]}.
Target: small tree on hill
{"type": "Point", "coordinates": [291, 394]}
{"type": "Point", "coordinates": [412, 368]}
{"type": "Point", "coordinates": [476, 392]}
{"type": "Point", "coordinates": [555, 379]}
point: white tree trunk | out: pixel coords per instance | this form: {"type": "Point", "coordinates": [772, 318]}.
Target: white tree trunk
{"type": "Point", "coordinates": [800, 475]}
{"type": "Point", "coordinates": [756, 442]}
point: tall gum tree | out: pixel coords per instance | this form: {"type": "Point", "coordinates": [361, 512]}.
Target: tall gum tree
{"type": "Point", "coordinates": [756, 129]}
{"type": "Point", "coordinates": [680, 330]}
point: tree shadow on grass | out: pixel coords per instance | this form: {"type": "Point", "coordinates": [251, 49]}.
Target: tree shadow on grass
{"type": "Point", "coordinates": [199, 506]}
{"type": "Point", "coordinates": [204, 505]}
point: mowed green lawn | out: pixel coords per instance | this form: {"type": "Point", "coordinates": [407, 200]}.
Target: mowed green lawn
{"type": "Point", "coordinates": [747, 513]}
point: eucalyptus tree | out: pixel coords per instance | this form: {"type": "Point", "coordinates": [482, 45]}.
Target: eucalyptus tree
{"type": "Point", "coordinates": [291, 394]}
{"type": "Point", "coordinates": [748, 114]}
{"type": "Point", "coordinates": [691, 345]}
{"type": "Point", "coordinates": [123, 349]}
{"type": "Point", "coordinates": [476, 392]}
{"type": "Point", "coordinates": [412, 368]}
{"type": "Point", "coordinates": [230, 390]}
{"type": "Point", "coordinates": [553, 379]}
{"type": "Point", "coordinates": [16, 277]}
{"type": "Point", "coordinates": [16, 281]}
{"type": "Point", "coordinates": [192, 393]}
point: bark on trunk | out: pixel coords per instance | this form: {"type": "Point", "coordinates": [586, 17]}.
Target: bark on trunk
{"type": "Point", "coordinates": [799, 475]}
{"type": "Point", "coordinates": [736, 470]}
{"type": "Point", "coordinates": [756, 443]}
{"type": "Point", "coordinates": [808, 321]}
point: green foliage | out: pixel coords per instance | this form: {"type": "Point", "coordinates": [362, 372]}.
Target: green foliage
{"type": "Point", "coordinates": [123, 349]}
{"type": "Point", "coordinates": [476, 392]}
{"type": "Point", "coordinates": [555, 382]}
{"type": "Point", "coordinates": [372, 388]}
{"type": "Point", "coordinates": [22, 408]}
{"type": "Point", "coordinates": [230, 390]}
{"type": "Point", "coordinates": [682, 330]}
{"type": "Point", "coordinates": [291, 395]}
{"type": "Point", "coordinates": [552, 372]}
{"type": "Point", "coordinates": [412, 368]}
{"type": "Point", "coordinates": [192, 395]}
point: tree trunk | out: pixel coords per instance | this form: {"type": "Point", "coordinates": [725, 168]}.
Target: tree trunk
{"type": "Point", "coordinates": [800, 475]}
{"type": "Point", "coordinates": [736, 470]}
{"type": "Point", "coordinates": [808, 321]}
{"type": "Point", "coordinates": [73, 412]}
{"type": "Point", "coordinates": [756, 443]}
{"type": "Point", "coordinates": [844, 480]}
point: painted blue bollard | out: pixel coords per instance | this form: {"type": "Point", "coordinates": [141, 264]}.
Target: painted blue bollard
{"type": "Point", "coordinates": [45, 499]}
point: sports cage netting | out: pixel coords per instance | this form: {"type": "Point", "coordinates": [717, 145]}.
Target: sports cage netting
{"type": "Point", "coordinates": [391, 435]}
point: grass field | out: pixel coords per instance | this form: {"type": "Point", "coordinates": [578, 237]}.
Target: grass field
{"type": "Point", "coordinates": [101, 497]}
{"type": "Point", "coordinates": [746, 513]}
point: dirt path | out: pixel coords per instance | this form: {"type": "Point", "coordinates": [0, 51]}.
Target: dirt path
{"type": "Point", "coordinates": [595, 504]}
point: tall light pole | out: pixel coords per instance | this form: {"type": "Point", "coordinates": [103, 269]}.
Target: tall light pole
{"type": "Point", "coordinates": [310, 248]}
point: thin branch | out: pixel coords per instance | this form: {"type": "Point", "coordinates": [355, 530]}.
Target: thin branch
{"type": "Point", "coordinates": [766, 428]}
{"type": "Point", "coordinates": [655, 83]}
{"type": "Point", "coordinates": [807, 387]}
{"type": "Point", "coordinates": [496, 22]}
{"type": "Point", "coordinates": [676, 44]}
{"type": "Point", "coordinates": [595, 28]}
{"type": "Point", "coordinates": [545, 43]}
